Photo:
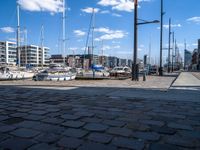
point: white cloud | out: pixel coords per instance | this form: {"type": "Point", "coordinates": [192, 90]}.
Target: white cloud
{"type": "Point", "coordinates": [194, 44]}
{"type": "Point", "coordinates": [79, 33]}
{"type": "Point", "coordinates": [105, 12]}
{"type": "Point", "coordinates": [116, 47]}
{"type": "Point", "coordinates": [125, 5]}
{"type": "Point", "coordinates": [116, 15]}
{"type": "Point", "coordinates": [73, 48]}
{"type": "Point", "coordinates": [7, 29]}
{"type": "Point", "coordinates": [12, 39]}
{"type": "Point", "coordinates": [103, 30]}
{"type": "Point", "coordinates": [90, 10]}
{"type": "Point", "coordinates": [120, 5]}
{"type": "Point", "coordinates": [172, 26]}
{"type": "Point", "coordinates": [52, 6]}
{"type": "Point", "coordinates": [108, 2]}
{"type": "Point", "coordinates": [107, 47]}
{"type": "Point", "coordinates": [194, 19]}
{"type": "Point", "coordinates": [166, 26]}
{"type": "Point", "coordinates": [109, 34]}
{"type": "Point", "coordinates": [116, 42]}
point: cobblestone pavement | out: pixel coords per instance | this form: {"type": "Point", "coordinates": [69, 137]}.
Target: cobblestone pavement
{"type": "Point", "coordinates": [151, 82]}
{"type": "Point", "coordinates": [40, 119]}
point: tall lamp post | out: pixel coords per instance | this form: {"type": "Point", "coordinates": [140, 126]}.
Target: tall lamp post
{"type": "Point", "coordinates": [161, 38]}
{"type": "Point", "coordinates": [135, 65]}
{"type": "Point", "coordinates": [169, 47]}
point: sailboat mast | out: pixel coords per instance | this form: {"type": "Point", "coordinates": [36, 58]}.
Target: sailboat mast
{"type": "Point", "coordinates": [93, 26]}
{"type": "Point", "coordinates": [42, 44]}
{"type": "Point", "coordinates": [25, 43]}
{"type": "Point", "coordinates": [63, 34]}
{"type": "Point", "coordinates": [18, 37]}
{"type": "Point", "coordinates": [150, 50]}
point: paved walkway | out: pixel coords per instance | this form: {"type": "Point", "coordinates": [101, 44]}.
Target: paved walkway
{"type": "Point", "coordinates": [98, 118]}
{"type": "Point", "coordinates": [186, 79]}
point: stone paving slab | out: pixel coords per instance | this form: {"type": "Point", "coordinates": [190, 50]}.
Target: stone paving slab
{"type": "Point", "coordinates": [38, 118]}
{"type": "Point", "coordinates": [186, 79]}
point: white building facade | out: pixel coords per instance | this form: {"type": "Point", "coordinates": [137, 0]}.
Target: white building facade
{"type": "Point", "coordinates": [34, 55]}
{"type": "Point", "coordinates": [8, 52]}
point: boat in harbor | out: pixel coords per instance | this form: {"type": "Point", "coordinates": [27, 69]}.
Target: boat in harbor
{"type": "Point", "coordinates": [97, 72]}
{"type": "Point", "coordinates": [9, 73]}
{"type": "Point", "coordinates": [56, 72]}
{"type": "Point", "coordinates": [121, 72]}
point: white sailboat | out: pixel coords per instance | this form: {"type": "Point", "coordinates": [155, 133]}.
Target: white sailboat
{"type": "Point", "coordinates": [58, 72]}
{"type": "Point", "coordinates": [15, 73]}
{"type": "Point", "coordinates": [95, 71]}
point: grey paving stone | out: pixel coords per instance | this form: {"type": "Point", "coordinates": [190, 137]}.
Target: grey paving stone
{"type": "Point", "coordinates": [16, 144]}
{"type": "Point", "coordinates": [24, 133]}
{"type": "Point", "coordinates": [120, 131]}
{"type": "Point", "coordinates": [128, 143]}
{"type": "Point", "coordinates": [114, 123]}
{"type": "Point", "coordinates": [152, 122]}
{"type": "Point", "coordinates": [34, 117]}
{"type": "Point", "coordinates": [24, 110]}
{"type": "Point", "coordinates": [151, 136]}
{"type": "Point", "coordinates": [38, 112]}
{"type": "Point", "coordinates": [13, 120]}
{"type": "Point", "coordinates": [96, 146]}
{"type": "Point", "coordinates": [95, 127]}
{"type": "Point", "coordinates": [7, 128]}
{"type": "Point", "coordinates": [42, 146]}
{"type": "Point", "coordinates": [171, 115]}
{"type": "Point", "coordinates": [100, 137]}
{"type": "Point", "coordinates": [45, 127]}
{"type": "Point", "coordinates": [73, 124]}
{"type": "Point", "coordinates": [77, 133]}
{"type": "Point", "coordinates": [138, 126]}
{"type": "Point", "coordinates": [164, 130]}
{"type": "Point", "coordinates": [69, 142]}
{"type": "Point", "coordinates": [84, 114]}
{"type": "Point", "coordinates": [91, 120]}
{"type": "Point", "coordinates": [28, 124]}
{"type": "Point", "coordinates": [18, 114]}
{"type": "Point", "coordinates": [48, 137]}
{"type": "Point", "coordinates": [157, 146]}
{"type": "Point", "coordinates": [53, 120]}
{"type": "Point", "coordinates": [53, 109]}
{"type": "Point", "coordinates": [179, 126]}
{"type": "Point", "coordinates": [70, 117]}
{"type": "Point", "coordinates": [3, 137]}
{"type": "Point", "coordinates": [190, 134]}
{"type": "Point", "coordinates": [182, 141]}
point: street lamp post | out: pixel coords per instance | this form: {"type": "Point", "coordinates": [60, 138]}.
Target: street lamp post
{"type": "Point", "coordinates": [169, 47]}
{"type": "Point", "coordinates": [135, 65]}
{"type": "Point", "coordinates": [161, 38]}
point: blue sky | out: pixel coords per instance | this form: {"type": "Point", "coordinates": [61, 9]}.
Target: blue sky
{"type": "Point", "coordinates": [113, 24]}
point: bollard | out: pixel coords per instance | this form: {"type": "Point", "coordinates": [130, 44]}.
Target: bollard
{"type": "Point", "coordinates": [144, 76]}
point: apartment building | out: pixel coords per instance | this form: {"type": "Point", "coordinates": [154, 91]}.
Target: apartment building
{"type": "Point", "coordinates": [34, 55]}
{"type": "Point", "coordinates": [8, 52]}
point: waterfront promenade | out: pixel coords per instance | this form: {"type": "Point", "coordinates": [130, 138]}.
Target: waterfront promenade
{"type": "Point", "coordinates": [104, 114]}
